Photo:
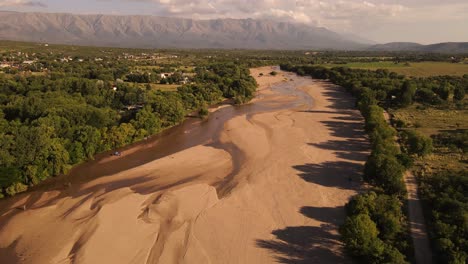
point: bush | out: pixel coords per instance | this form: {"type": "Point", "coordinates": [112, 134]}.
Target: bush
{"type": "Point", "coordinates": [408, 90]}
{"type": "Point", "coordinates": [459, 94]}
{"type": "Point", "coordinates": [15, 188]}
{"type": "Point", "coordinates": [203, 112]}
{"type": "Point", "coordinates": [446, 194]}
{"type": "Point", "coordinates": [405, 160]}
{"type": "Point", "coordinates": [416, 143]}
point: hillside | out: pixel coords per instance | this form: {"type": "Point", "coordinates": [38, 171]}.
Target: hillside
{"type": "Point", "coordinates": [164, 32]}
{"type": "Point", "coordinates": [446, 47]}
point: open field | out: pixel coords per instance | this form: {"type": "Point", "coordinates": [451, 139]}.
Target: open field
{"type": "Point", "coordinates": [267, 186]}
{"type": "Point", "coordinates": [416, 69]}
{"type": "Point", "coordinates": [185, 69]}
{"type": "Point", "coordinates": [430, 121]}
{"type": "Point", "coordinates": [165, 87]}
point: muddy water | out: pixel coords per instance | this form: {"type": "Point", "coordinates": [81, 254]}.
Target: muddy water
{"type": "Point", "coordinates": [192, 132]}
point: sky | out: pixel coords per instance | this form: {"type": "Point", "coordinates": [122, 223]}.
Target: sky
{"type": "Point", "coordinates": [423, 21]}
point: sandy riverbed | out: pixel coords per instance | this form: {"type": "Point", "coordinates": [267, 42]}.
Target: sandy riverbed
{"type": "Point", "coordinates": [283, 203]}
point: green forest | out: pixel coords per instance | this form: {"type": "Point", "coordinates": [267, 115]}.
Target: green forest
{"type": "Point", "coordinates": [55, 119]}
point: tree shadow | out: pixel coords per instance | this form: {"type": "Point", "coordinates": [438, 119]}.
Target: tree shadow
{"type": "Point", "coordinates": [312, 244]}
{"type": "Point", "coordinates": [350, 117]}
{"type": "Point", "coordinates": [339, 174]}
{"type": "Point", "coordinates": [338, 98]}
{"type": "Point", "coordinates": [331, 215]}
{"type": "Point", "coordinates": [344, 112]}
{"type": "Point", "coordinates": [345, 129]}
{"type": "Point", "coordinates": [8, 254]}
{"type": "Point", "coordinates": [350, 149]}
{"type": "Point", "coordinates": [304, 244]}
{"type": "Point", "coordinates": [349, 145]}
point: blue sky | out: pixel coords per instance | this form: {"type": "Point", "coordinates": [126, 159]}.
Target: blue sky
{"type": "Point", "coordinates": [424, 21]}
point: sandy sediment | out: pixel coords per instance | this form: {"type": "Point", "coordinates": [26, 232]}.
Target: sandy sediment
{"type": "Point", "coordinates": [299, 166]}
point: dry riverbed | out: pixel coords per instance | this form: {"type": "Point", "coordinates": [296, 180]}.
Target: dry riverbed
{"type": "Point", "coordinates": [268, 185]}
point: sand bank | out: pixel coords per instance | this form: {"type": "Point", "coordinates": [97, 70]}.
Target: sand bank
{"type": "Point", "coordinates": [270, 188]}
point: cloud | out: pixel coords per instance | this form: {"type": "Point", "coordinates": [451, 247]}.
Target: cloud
{"type": "Point", "coordinates": [19, 3]}
{"type": "Point", "coordinates": [342, 15]}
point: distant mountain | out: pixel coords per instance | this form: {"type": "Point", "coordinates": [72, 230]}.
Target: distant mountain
{"type": "Point", "coordinates": [396, 46]}
{"type": "Point", "coordinates": [164, 32]}
{"type": "Point", "coordinates": [447, 47]}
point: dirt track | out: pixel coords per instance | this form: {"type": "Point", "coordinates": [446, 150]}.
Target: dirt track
{"type": "Point", "coordinates": [292, 167]}
{"type": "Point", "coordinates": [422, 247]}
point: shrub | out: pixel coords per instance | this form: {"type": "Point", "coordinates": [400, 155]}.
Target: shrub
{"type": "Point", "coordinates": [459, 93]}
{"type": "Point", "coordinates": [15, 188]}
{"type": "Point", "coordinates": [203, 112]}
{"type": "Point", "coordinates": [416, 143]}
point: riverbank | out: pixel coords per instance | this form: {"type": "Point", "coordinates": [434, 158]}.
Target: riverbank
{"type": "Point", "coordinates": [255, 184]}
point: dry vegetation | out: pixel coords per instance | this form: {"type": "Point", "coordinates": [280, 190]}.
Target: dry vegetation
{"type": "Point", "coordinates": [431, 121]}
{"type": "Point", "coordinates": [416, 69]}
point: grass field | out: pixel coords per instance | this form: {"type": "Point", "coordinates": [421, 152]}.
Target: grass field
{"type": "Point", "coordinates": [165, 87]}
{"type": "Point", "coordinates": [185, 69]}
{"type": "Point", "coordinates": [430, 121]}
{"type": "Point", "coordinates": [417, 69]}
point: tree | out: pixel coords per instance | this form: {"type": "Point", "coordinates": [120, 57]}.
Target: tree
{"type": "Point", "coordinates": [386, 172]}
{"type": "Point", "coordinates": [443, 91]}
{"type": "Point", "coordinates": [459, 93]}
{"type": "Point", "coordinates": [408, 90]}
{"type": "Point", "coordinates": [15, 188]}
{"type": "Point", "coordinates": [417, 143]}
{"type": "Point", "coordinates": [360, 235]}
{"type": "Point", "coordinates": [147, 120]}
{"type": "Point", "coordinates": [203, 112]}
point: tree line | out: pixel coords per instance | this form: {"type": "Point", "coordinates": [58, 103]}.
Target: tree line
{"type": "Point", "coordinates": [50, 123]}
{"type": "Point", "coordinates": [375, 230]}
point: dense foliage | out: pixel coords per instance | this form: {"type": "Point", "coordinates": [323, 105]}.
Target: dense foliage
{"type": "Point", "coordinates": [49, 123]}
{"type": "Point", "coordinates": [456, 140]}
{"type": "Point", "coordinates": [447, 195]}
{"type": "Point", "coordinates": [415, 143]}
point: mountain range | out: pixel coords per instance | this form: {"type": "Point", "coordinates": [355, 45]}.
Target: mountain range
{"type": "Point", "coordinates": [446, 47]}
{"type": "Point", "coordinates": [169, 32]}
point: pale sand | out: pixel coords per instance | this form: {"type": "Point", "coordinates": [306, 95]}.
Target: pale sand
{"type": "Point", "coordinates": [283, 206]}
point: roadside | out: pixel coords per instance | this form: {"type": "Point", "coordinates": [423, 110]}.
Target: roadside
{"type": "Point", "coordinates": [418, 229]}
{"type": "Point", "coordinates": [421, 244]}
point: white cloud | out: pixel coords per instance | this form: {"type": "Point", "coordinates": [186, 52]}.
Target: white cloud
{"type": "Point", "coordinates": [16, 3]}
{"type": "Point", "coordinates": [341, 15]}
{"type": "Point", "coordinates": [368, 18]}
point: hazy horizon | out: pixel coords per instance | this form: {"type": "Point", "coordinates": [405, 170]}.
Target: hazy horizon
{"type": "Point", "coordinates": [381, 21]}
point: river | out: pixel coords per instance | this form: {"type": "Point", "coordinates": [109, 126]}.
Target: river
{"type": "Point", "coordinates": [249, 184]}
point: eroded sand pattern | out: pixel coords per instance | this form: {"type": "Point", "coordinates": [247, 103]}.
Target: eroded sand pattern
{"type": "Point", "coordinates": [260, 183]}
